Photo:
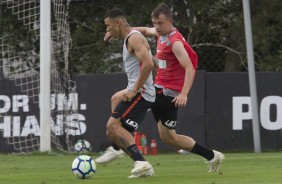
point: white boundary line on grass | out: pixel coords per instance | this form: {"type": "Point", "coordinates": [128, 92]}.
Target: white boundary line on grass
{"type": "Point", "coordinates": [229, 158]}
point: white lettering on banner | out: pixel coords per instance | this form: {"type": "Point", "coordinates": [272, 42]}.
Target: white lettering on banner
{"type": "Point", "coordinates": [62, 101]}
{"type": "Point", "coordinates": [75, 126]}
{"type": "Point", "coordinates": [31, 126]}
{"type": "Point", "coordinates": [57, 127]}
{"type": "Point", "coordinates": [265, 112]}
{"type": "Point", "coordinates": [6, 126]}
{"type": "Point", "coordinates": [20, 101]}
{"type": "Point", "coordinates": [16, 125]}
{"type": "Point", "coordinates": [7, 103]}
{"type": "Point", "coordinates": [11, 126]}
{"type": "Point", "coordinates": [53, 101]}
{"type": "Point", "coordinates": [238, 115]}
{"type": "Point", "coordinates": [69, 103]}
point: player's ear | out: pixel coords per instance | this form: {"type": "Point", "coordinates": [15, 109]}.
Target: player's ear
{"type": "Point", "coordinates": [118, 21]}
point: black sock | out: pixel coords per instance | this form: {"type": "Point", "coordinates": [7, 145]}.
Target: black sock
{"type": "Point", "coordinates": [135, 153]}
{"type": "Point", "coordinates": [115, 146]}
{"type": "Point", "coordinates": [204, 152]}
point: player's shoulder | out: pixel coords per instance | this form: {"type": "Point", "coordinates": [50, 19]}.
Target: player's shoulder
{"type": "Point", "coordinates": [177, 38]}
{"type": "Point", "coordinates": [176, 35]}
{"type": "Point", "coordinates": [135, 38]}
{"type": "Point", "coordinates": [136, 35]}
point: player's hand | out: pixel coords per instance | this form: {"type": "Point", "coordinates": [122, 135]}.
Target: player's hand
{"type": "Point", "coordinates": [128, 95]}
{"type": "Point", "coordinates": [108, 37]}
{"type": "Point", "coordinates": [180, 100]}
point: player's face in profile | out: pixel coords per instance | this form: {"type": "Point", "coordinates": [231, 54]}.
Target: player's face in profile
{"type": "Point", "coordinates": [162, 24]}
{"type": "Point", "coordinates": [111, 25]}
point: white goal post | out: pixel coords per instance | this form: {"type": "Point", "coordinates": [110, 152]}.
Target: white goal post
{"type": "Point", "coordinates": [252, 76]}
{"type": "Point", "coordinates": [45, 83]}
{"type": "Point", "coordinates": [38, 99]}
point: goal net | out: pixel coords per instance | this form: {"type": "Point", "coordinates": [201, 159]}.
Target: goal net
{"type": "Point", "coordinates": [20, 77]}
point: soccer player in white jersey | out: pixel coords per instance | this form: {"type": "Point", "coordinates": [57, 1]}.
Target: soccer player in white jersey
{"type": "Point", "coordinates": [137, 98]}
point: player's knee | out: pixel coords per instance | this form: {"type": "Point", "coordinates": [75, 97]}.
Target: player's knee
{"type": "Point", "coordinates": [108, 133]}
{"type": "Point", "coordinates": [111, 127]}
{"type": "Point", "coordinates": [115, 98]}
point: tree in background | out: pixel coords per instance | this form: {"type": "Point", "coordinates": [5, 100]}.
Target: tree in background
{"type": "Point", "coordinates": [205, 24]}
{"type": "Point", "coordinates": [267, 34]}
{"type": "Point", "coordinates": [90, 54]}
{"type": "Point", "coordinates": [215, 29]}
{"type": "Point", "coordinates": [23, 54]}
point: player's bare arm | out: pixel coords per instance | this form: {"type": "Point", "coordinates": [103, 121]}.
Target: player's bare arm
{"type": "Point", "coordinates": [138, 46]}
{"type": "Point", "coordinates": [156, 67]}
{"type": "Point", "coordinates": [147, 31]}
{"type": "Point", "coordinates": [183, 58]}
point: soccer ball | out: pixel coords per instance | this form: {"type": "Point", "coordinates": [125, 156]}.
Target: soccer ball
{"type": "Point", "coordinates": [82, 145]}
{"type": "Point", "coordinates": [83, 166]}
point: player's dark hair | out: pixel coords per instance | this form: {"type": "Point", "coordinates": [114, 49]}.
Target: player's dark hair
{"type": "Point", "coordinates": [114, 13]}
{"type": "Point", "coordinates": [162, 9]}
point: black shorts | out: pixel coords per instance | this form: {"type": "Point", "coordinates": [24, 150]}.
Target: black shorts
{"type": "Point", "coordinates": [132, 113]}
{"type": "Point", "coordinates": [163, 109]}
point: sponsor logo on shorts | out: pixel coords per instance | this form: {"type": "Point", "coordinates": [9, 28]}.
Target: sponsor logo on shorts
{"type": "Point", "coordinates": [131, 123]}
{"type": "Point", "coordinates": [170, 124]}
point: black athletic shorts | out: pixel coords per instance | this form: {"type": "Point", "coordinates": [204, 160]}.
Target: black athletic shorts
{"type": "Point", "coordinates": [132, 113]}
{"type": "Point", "coordinates": [163, 109]}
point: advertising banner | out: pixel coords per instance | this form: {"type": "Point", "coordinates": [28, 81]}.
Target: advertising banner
{"type": "Point", "coordinates": [228, 110]}
{"type": "Point", "coordinates": [218, 112]}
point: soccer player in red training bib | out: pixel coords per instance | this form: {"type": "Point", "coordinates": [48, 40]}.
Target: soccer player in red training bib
{"type": "Point", "coordinates": [177, 66]}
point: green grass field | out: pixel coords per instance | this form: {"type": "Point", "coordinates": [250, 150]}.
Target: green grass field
{"type": "Point", "coordinates": [169, 168]}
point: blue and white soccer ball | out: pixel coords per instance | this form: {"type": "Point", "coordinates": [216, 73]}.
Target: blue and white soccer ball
{"type": "Point", "coordinates": [82, 146]}
{"type": "Point", "coordinates": [83, 167]}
